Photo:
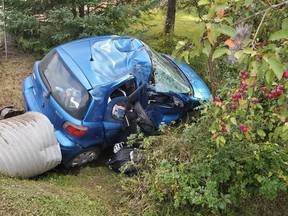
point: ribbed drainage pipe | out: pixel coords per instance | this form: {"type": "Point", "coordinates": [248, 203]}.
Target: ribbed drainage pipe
{"type": "Point", "coordinates": [28, 146]}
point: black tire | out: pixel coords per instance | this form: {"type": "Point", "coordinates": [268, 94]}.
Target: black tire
{"type": "Point", "coordinates": [143, 120]}
{"type": "Point", "coordinates": [83, 157]}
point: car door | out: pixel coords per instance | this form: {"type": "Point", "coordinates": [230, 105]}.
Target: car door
{"type": "Point", "coordinates": [115, 120]}
{"type": "Point", "coordinates": [119, 100]}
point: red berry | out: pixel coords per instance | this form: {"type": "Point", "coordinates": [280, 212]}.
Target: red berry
{"type": "Point", "coordinates": [273, 93]}
{"type": "Point", "coordinates": [264, 88]}
{"type": "Point", "coordinates": [255, 100]}
{"type": "Point", "coordinates": [285, 74]}
{"type": "Point", "coordinates": [218, 99]}
{"type": "Point", "coordinates": [246, 75]}
{"type": "Point", "coordinates": [244, 128]}
{"type": "Point", "coordinates": [242, 81]}
{"type": "Point", "coordinates": [233, 106]}
{"type": "Point", "coordinates": [242, 72]}
{"type": "Point", "coordinates": [278, 92]}
{"type": "Point", "coordinates": [281, 87]}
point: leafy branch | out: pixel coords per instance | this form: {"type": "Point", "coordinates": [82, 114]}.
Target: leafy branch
{"type": "Point", "coordinates": [260, 12]}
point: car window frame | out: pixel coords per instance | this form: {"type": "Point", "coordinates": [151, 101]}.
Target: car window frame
{"type": "Point", "coordinates": [79, 113]}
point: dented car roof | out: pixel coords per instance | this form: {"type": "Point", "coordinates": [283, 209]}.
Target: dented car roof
{"type": "Point", "coordinates": [106, 59]}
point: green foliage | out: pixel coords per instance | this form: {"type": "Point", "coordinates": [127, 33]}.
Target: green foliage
{"type": "Point", "coordinates": [38, 27]}
{"type": "Point", "coordinates": [225, 31]}
{"type": "Point", "coordinates": [194, 170]}
{"type": "Point", "coordinates": [238, 149]}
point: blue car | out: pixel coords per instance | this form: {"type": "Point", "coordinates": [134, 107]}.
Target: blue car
{"type": "Point", "coordinates": [88, 88]}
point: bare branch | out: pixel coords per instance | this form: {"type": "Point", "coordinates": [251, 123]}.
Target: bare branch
{"type": "Point", "coordinates": [259, 26]}
{"type": "Point", "coordinates": [260, 12]}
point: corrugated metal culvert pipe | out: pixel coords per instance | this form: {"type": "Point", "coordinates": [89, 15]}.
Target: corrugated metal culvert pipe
{"type": "Point", "coordinates": [28, 146]}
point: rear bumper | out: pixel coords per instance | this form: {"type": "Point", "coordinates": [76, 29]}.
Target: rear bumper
{"type": "Point", "coordinates": [68, 148]}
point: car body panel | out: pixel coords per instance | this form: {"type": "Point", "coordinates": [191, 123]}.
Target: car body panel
{"type": "Point", "coordinates": [103, 66]}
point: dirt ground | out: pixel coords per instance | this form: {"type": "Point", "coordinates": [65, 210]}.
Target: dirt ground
{"type": "Point", "coordinates": [13, 71]}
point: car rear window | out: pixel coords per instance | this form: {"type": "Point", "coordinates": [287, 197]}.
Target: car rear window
{"type": "Point", "coordinates": [64, 87]}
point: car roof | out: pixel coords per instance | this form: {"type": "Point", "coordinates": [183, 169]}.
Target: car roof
{"type": "Point", "coordinates": [106, 59]}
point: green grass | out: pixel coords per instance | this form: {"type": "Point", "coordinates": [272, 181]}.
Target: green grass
{"type": "Point", "coordinates": [93, 190]}
{"type": "Point", "coordinates": [153, 25]}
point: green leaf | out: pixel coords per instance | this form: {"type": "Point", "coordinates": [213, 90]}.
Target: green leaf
{"type": "Point", "coordinates": [261, 133]}
{"type": "Point", "coordinates": [186, 56]}
{"type": "Point", "coordinates": [240, 55]}
{"type": "Point", "coordinates": [207, 48]}
{"type": "Point", "coordinates": [197, 33]}
{"type": "Point", "coordinates": [214, 33]}
{"type": "Point", "coordinates": [250, 51]}
{"type": "Point", "coordinates": [193, 54]}
{"type": "Point", "coordinates": [238, 135]}
{"type": "Point", "coordinates": [285, 24]}
{"type": "Point", "coordinates": [219, 52]}
{"type": "Point", "coordinates": [233, 120]}
{"type": "Point", "coordinates": [254, 66]}
{"type": "Point", "coordinates": [227, 30]}
{"type": "Point", "coordinates": [203, 2]}
{"type": "Point", "coordinates": [180, 44]}
{"type": "Point", "coordinates": [276, 66]}
{"type": "Point", "coordinates": [269, 76]}
{"type": "Point", "coordinates": [259, 178]}
{"type": "Point", "coordinates": [282, 34]}
{"type": "Point", "coordinates": [248, 2]}
{"type": "Point", "coordinates": [221, 1]}
{"type": "Point", "coordinates": [211, 12]}
{"type": "Point", "coordinates": [250, 92]}
{"type": "Point", "coordinates": [262, 68]}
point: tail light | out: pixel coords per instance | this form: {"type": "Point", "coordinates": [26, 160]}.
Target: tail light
{"type": "Point", "coordinates": [75, 130]}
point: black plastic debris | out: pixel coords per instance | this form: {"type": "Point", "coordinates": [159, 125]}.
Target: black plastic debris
{"type": "Point", "coordinates": [9, 111]}
{"type": "Point", "coordinates": [125, 159]}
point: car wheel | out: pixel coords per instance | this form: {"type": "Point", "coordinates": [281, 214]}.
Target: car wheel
{"type": "Point", "coordinates": [143, 120]}
{"type": "Point", "coordinates": [83, 157]}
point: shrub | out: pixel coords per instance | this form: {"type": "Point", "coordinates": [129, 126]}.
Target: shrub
{"type": "Point", "coordinates": [237, 150]}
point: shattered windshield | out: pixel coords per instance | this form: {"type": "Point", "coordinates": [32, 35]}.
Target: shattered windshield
{"type": "Point", "coordinates": [166, 76]}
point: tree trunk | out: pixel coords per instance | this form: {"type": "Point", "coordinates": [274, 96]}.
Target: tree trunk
{"type": "Point", "coordinates": [74, 9]}
{"type": "Point", "coordinates": [81, 9]}
{"type": "Point", "coordinates": [170, 17]}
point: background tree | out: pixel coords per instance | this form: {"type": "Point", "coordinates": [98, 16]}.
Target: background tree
{"type": "Point", "coordinates": [37, 25]}
{"type": "Point", "coordinates": [170, 17]}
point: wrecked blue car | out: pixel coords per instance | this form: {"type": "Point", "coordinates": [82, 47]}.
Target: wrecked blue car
{"type": "Point", "coordinates": [90, 88]}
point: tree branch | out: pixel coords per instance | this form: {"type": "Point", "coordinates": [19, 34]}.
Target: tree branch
{"type": "Point", "coordinates": [260, 12]}
{"type": "Point", "coordinates": [259, 26]}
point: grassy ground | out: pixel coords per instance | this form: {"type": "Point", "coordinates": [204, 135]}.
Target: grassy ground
{"type": "Point", "coordinates": [154, 25]}
{"type": "Point", "coordinates": [91, 191]}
